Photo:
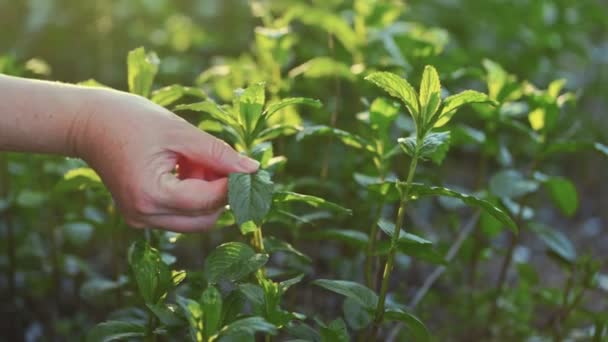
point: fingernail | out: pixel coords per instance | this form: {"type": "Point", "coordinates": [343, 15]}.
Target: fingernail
{"type": "Point", "coordinates": [249, 164]}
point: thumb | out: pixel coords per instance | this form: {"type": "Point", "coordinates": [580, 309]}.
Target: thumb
{"type": "Point", "coordinates": [213, 153]}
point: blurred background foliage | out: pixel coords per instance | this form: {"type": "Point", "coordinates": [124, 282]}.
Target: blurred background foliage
{"type": "Point", "coordinates": [59, 240]}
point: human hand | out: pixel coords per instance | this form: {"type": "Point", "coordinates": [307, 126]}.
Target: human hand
{"type": "Point", "coordinates": [134, 145]}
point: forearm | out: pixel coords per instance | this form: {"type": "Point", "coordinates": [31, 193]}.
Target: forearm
{"type": "Point", "coordinates": [42, 117]}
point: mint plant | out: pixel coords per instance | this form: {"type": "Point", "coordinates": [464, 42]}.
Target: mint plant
{"type": "Point", "coordinates": [420, 254]}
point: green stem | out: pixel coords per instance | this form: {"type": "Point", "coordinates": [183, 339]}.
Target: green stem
{"type": "Point", "coordinates": [258, 240]}
{"type": "Point", "coordinates": [369, 258]}
{"type": "Point", "coordinates": [150, 336]}
{"type": "Point", "coordinates": [371, 246]}
{"type": "Point", "coordinates": [388, 266]}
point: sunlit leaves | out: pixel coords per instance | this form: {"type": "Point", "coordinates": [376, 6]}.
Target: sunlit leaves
{"type": "Point", "coordinates": [250, 196]}
{"type": "Point", "coordinates": [320, 67]}
{"type": "Point", "coordinates": [537, 119]}
{"type": "Point", "coordinates": [232, 261]}
{"type": "Point", "coordinates": [250, 103]}
{"type": "Point", "coordinates": [382, 112]}
{"type": "Point", "coordinates": [214, 110]}
{"type": "Point", "coordinates": [453, 102]}
{"type": "Point", "coordinates": [430, 92]}
{"type": "Point", "coordinates": [152, 275]}
{"type": "Point", "coordinates": [398, 87]}
{"type": "Point", "coordinates": [142, 69]}
{"type": "Point", "coordinates": [193, 312]}
{"type": "Point", "coordinates": [170, 94]}
{"type": "Point", "coordinates": [326, 20]}
{"type": "Point", "coordinates": [290, 101]}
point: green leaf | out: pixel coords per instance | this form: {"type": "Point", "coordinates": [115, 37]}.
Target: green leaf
{"type": "Point", "coordinates": [434, 146]}
{"type": "Point", "coordinates": [556, 241]}
{"type": "Point", "coordinates": [382, 113]}
{"type": "Point", "coordinates": [322, 18]}
{"type": "Point", "coordinates": [430, 92]}
{"type": "Point", "coordinates": [563, 193]}
{"type": "Point", "coordinates": [355, 238]}
{"type": "Point", "coordinates": [286, 284]}
{"type": "Point", "coordinates": [232, 307]}
{"type": "Point", "coordinates": [79, 179]}
{"type": "Point", "coordinates": [152, 275]}
{"type": "Point", "coordinates": [452, 103]}
{"type": "Point", "coordinates": [253, 292]}
{"type": "Point", "coordinates": [336, 331]}
{"type": "Point", "coordinates": [92, 83]}
{"type": "Point", "coordinates": [367, 298]}
{"type": "Point", "coordinates": [346, 138]}
{"type": "Point", "coordinates": [213, 109]}
{"type": "Point", "coordinates": [273, 245]}
{"type": "Point", "coordinates": [166, 314]}
{"type": "Point", "coordinates": [232, 261]}
{"type": "Point", "coordinates": [603, 149]}
{"type": "Point", "coordinates": [276, 106]}
{"type": "Point", "coordinates": [413, 324]}
{"type": "Point", "coordinates": [302, 332]}
{"type": "Point", "coordinates": [194, 314]}
{"type": "Point", "coordinates": [275, 131]}
{"type": "Point", "coordinates": [421, 190]}
{"type": "Point", "coordinates": [250, 196]}
{"type": "Point", "coordinates": [168, 95]}
{"type": "Point", "coordinates": [356, 316]}
{"type": "Point", "coordinates": [211, 303]}
{"type": "Point", "coordinates": [511, 184]}
{"type": "Point", "coordinates": [250, 104]}
{"type": "Point", "coordinates": [115, 330]}
{"type": "Point", "coordinates": [313, 201]}
{"type": "Point", "coordinates": [399, 88]}
{"type": "Point", "coordinates": [412, 245]}
{"type": "Point", "coordinates": [247, 327]}
{"type": "Point", "coordinates": [141, 70]}
{"type": "Point", "coordinates": [323, 67]}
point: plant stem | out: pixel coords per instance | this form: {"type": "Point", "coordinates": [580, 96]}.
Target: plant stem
{"type": "Point", "coordinates": [371, 246]}
{"type": "Point", "coordinates": [370, 280]}
{"type": "Point", "coordinates": [334, 115]}
{"type": "Point", "coordinates": [150, 336]}
{"type": "Point", "coordinates": [258, 240]}
{"type": "Point", "coordinates": [388, 266]}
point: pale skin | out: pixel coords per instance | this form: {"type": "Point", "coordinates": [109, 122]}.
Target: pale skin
{"type": "Point", "coordinates": [132, 143]}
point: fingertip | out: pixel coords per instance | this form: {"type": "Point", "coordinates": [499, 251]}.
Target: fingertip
{"type": "Point", "coordinates": [248, 165]}
{"type": "Point", "coordinates": [195, 194]}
